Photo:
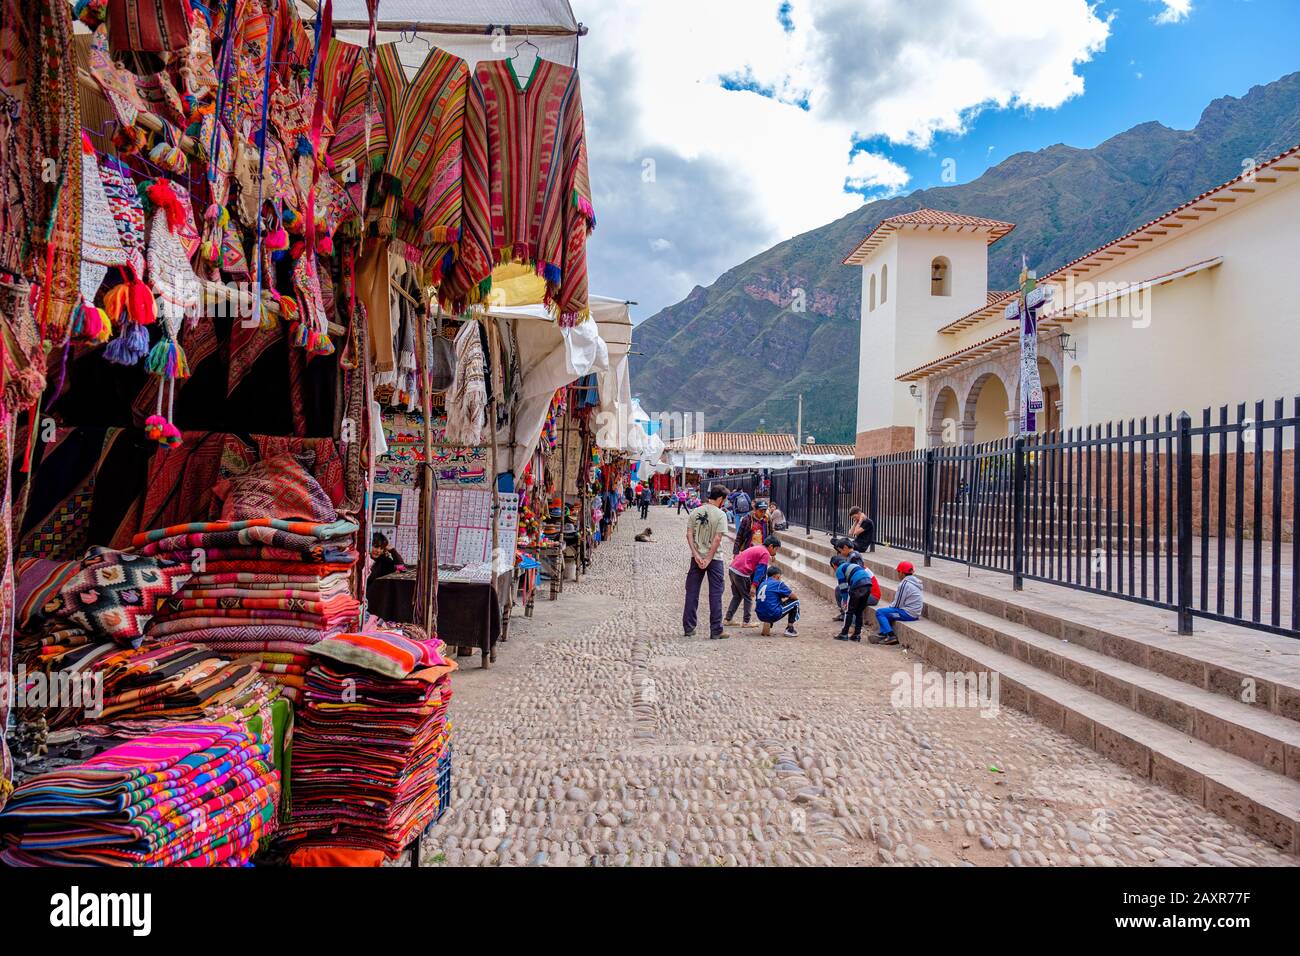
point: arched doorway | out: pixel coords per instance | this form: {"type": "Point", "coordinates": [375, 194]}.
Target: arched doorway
{"type": "Point", "coordinates": [945, 418]}
{"type": "Point", "coordinates": [1050, 418]}
{"type": "Point", "coordinates": [986, 405]}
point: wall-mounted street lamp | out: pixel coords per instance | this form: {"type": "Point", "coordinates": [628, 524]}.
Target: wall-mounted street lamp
{"type": "Point", "coordinates": [1066, 348]}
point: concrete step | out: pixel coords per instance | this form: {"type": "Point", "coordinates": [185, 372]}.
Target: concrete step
{"type": "Point", "coordinates": [1265, 803]}
{"type": "Point", "coordinates": [1231, 756]}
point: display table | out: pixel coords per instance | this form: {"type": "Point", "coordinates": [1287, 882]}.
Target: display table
{"type": "Point", "coordinates": [470, 613]}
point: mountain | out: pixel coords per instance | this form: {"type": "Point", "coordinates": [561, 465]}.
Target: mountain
{"type": "Point", "coordinates": [1064, 201]}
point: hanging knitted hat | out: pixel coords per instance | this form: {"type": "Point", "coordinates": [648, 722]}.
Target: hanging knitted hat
{"type": "Point", "coordinates": [101, 247]}
{"type": "Point", "coordinates": [129, 305]}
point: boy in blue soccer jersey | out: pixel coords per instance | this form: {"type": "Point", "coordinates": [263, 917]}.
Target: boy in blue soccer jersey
{"type": "Point", "coordinates": [775, 601]}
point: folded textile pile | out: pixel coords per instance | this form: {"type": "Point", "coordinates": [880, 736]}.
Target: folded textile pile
{"type": "Point", "coordinates": [179, 681]}
{"type": "Point", "coordinates": [265, 587]}
{"type": "Point", "coordinates": [194, 795]}
{"type": "Point", "coordinates": [370, 748]}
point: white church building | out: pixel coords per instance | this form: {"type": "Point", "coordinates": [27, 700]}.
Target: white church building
{"type": "Point", "coordinates": [1199, 307]}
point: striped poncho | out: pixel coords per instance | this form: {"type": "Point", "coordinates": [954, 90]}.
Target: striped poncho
{"type": "Point", "coordinates": [425, 117]}
{"type": "Point", "coordinates": [526, 167]}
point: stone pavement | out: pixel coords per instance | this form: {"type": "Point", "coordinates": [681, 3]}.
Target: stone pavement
{"type": "Point", "coordinates": [603, 737]}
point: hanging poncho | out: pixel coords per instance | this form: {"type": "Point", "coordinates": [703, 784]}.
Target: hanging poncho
{"type": "Point", "coordinates": [101, 248]}
{"type": "Point", "coordinates": [422, 175]}
{"type": "Point", "coordinates": [537, 186]}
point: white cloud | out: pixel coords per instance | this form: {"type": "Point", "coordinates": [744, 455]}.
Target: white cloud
{"type": "Point", "coordinates": [851, 71]}
{"type": "Point", "coordinates": [1175, 11]}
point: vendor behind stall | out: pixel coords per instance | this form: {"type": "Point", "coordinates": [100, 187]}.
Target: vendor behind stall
{"type": "Point", "coordinates": [386, 560]}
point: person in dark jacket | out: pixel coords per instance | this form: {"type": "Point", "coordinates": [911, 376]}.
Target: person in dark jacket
{"type": "Point", "coordinates": [862, 530]}
{"type": "Point", "coordinates": [844, 552]}
{"type": "Point", "coordinates": [644, 501]}
{"type": "Point", "coordinates": [857, 583]}
{"type": "Point", "coordinates": [753, 529]}
{"type": "Point", "coordinates": [385, 560]}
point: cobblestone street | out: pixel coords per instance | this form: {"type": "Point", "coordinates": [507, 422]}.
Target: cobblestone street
{"type": "Point", "coordinates": [602, 737]}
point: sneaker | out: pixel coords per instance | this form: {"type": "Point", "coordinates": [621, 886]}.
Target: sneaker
{"type": "Point", "coordinates": [841, 636]}
{"type": "Point", "coordinates": [856, 638]}
{"type": "Point", "coordinates": [839, 617]}
{"type": "Point", "coordinates": [727, 622]}
{"type": "Point", "coordinates": [750, 624]}
{"type": "Point", "coordinates": [887, 639]}
{"type": "Point", "coordinates": [720, 636]}
{"type": "Point", "coordinates": [791, 632]}
{"type": "Point", "coordinates": [688, 633]}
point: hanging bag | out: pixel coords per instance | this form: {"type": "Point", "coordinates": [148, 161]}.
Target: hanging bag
{"type": "Point", "coordinates": [442, 359]}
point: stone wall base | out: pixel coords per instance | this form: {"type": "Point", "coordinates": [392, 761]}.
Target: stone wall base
{"type": "Point", "coordinates": [885, 441]}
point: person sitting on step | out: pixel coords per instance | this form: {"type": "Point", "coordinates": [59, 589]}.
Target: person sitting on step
{"type": "Point", "coordinates": [775, 601]}
{"type": "Point", "coordinates": [859, 590]}
{"type": "Point", "coordinates": [909, 602]}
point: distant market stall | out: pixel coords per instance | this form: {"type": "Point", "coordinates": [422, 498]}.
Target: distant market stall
{"type": "Point", "coordinates": [246, 328]}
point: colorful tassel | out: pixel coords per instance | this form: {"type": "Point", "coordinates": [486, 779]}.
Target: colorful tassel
{"type": "Point", "coordinates": [153, 427]}
{"type": "Point", "coordinates": [140, 305]}
{"type": "Point", "coordinates": [277, 240]}
{"type": "Point", "coordinates": [161, 194]}
{"type": "Point", "coordinates": [129, 347]}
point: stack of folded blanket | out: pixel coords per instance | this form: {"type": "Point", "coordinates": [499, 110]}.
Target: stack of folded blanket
{"type": "Point", "coordinates": [266, 587]}
{"type": "Point", "coordinates": [193, 795]}
{"type": "Point", "coordinates": [178, 681]}
{"type": "Point", "coordinates": [370, 747]}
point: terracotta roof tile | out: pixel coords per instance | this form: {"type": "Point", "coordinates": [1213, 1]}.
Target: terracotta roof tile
{"type": "Point", "coordinates": [736, 443]}
{"type": "Point", "coordinates": [926, 218]}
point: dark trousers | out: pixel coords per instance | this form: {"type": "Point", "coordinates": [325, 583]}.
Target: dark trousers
{"type": "Point", "coordinates": [694, 580]}
{"type": "Point", "coordinates": [788, 610]}
{"type": "Point", "coordinates": [680, 506]}
{"type": "Point", "coordinates": [740, 586]}
{"type": "Point", "coordinates": [856, 611]}
{"type": "Point", "coordinates": [645, 510]}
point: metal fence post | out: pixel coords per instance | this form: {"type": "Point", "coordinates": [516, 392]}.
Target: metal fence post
{"type": "Point", "coordinates": [807, 499]}
{"type": "Point", "coordinates": [927, 497]}
{"type": "Point", "coordinates": [873, 505]}
{"type": "Point", "coordinates": [1018, 516]}
{"type": "Point", "coordinates": [835, 501]}
{"type": "Point", "coordinates": [1185, 523]}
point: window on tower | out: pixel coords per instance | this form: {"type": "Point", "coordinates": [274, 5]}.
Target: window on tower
{"type": "Point", "coordinates": [884, 284]}
{"type": "Point", "coordinates": [940, 276]}
{"type": "Point", "coordinates": [871, 297]}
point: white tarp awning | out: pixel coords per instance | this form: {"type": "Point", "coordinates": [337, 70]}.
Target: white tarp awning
{"type": "Point", "coordinates": [712, 461]}
{"type": "Point", "coordinates": [550, 357]}
{"type": "Point", "coordinates": [518, 15]}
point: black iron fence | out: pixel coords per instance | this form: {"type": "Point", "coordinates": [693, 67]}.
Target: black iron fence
{"type": "Point", "coordinates": [1195, 517]}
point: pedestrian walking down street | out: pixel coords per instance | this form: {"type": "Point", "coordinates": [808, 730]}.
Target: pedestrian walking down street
{"type": "Point", "coordinates": [909, 602]}
{"type": "Point", "coordinates": [704, 537]}
{"type": "Point", "coordinates": [645, 502]}
{"type": "Point", "coordinates": [753, 529]}
{"type": "Point", "coordinates": [775, 601]}
{"type": "Point", "coordinates": [747, 570]}
{"type": "Point", "coordinates": [681, 499]}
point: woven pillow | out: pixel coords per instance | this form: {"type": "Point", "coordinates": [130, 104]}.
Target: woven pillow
{"type": "Point", "coordinates": [38, 580]}
{"type": "Point", "coordinates": [113, 594]}
{"type": "Point", "coordinates": [276, 487]}
{"type": "Point", "coordinates": [383, 652]}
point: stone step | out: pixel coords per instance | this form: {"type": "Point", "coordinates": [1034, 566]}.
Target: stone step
{"type": "Point", "coordinates": [1213, 669]}
{"type": "Point", "coordinates": [1265, 803]}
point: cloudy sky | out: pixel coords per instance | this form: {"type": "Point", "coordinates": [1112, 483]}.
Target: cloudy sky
{"type": "Point", "coordinates": [720, 127]}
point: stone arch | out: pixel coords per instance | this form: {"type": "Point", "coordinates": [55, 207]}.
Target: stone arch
{"type": "Point", "coordinates": [946, 406]}
{"type": "Point", "coordinates": [986, 406]}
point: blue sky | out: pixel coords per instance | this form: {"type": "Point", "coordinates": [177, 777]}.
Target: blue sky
{"type": "Point", "coordinates": [718, 128]}
{"type": "Point", "coordinates": [1165, 72]}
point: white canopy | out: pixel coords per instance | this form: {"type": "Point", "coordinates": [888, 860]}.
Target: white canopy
{"type": "Point", "coordinates": [559, 42]}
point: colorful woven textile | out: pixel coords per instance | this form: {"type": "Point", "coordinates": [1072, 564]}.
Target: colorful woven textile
{"type": "Point", "coordinates": [113, 594]}
{"type": "Point", "coordinates": [537, 183]}
{"type": "Point", "coordinates": [148, 26]}
{"type": "Point", "coordinates": [276, 487]}
{"type": "Point", "coordinates": [333, 529]}
{"type": "Point", "coordinates": [368, 752]}
{"type": "Point", "coordinates": [384, 652]}
{"type": "Point", "coordinates": [195, 794]}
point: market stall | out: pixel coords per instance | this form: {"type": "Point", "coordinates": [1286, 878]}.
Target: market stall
{"type": "Point", "coordinates": [267, 238]}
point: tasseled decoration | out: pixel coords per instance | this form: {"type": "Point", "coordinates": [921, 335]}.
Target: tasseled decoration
{"type": "Point", "coordinates": [116, 301]}
{"type": "Point", "coordinates": [297, 249]}
{"type": "Point", "coordinates": [550, 272]}
{"type": "Point", "coordinates": [169, 157]}
{"type": "Point", "coordinates": [160, 193]}
{"type": "Point", "coordinates": [129, 347]}
{"type": "Point", "coordinates": [167, 359]}
{"type": "Point", "coordinates": [304, 146]}
{"type": "Point", "coordinates": [154, 424]}
{"type": "Point", "coordinates": [325, 246]}
{"type": "Point", "coordinates": [277, 240]}
{"type": "Point", "coordinates": [140, 305]}
{"type": "Point", "coordinates": [291, 219]}
{"type": "Point", "coordinates": [129, 139]}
